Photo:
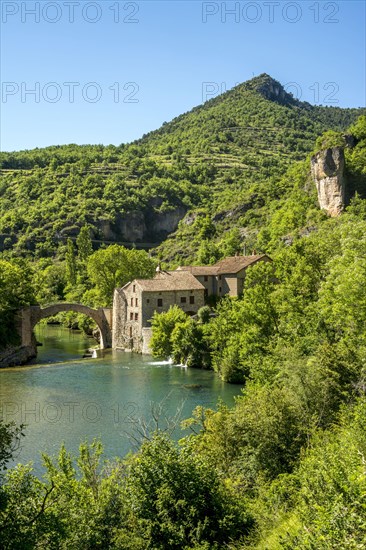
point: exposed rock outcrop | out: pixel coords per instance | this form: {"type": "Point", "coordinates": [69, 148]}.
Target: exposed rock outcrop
{"type": "Point", "coordinates": [327, 170]}
{"type": "Point", "coordinates": [138, 226]}
{"type": "Point", "coordinates": [273, 90]}
{"type": "Point", "coordinates": [16, 356]}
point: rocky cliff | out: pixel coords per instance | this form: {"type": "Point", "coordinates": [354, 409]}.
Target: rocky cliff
{"type": "Point", "coordinates": [147, 225]}
{"type": "Point", "coordinates": [327, 170]}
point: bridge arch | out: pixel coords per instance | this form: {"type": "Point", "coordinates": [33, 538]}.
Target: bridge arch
{"type": "Point", "coordinates": [32, 315]}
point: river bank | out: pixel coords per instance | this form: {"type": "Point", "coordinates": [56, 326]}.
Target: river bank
{"type": "Point", "coordinates": [17, 355]}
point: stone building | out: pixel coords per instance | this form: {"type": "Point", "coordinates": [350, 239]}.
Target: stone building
{"type": "Point", "coordinates": [135, 304]}
{"type": "Point", "coordinates": [187, 287]}
{"type": "Point", "coordinates": [227, 276]}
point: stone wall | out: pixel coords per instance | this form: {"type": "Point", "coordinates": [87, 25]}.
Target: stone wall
{"type": "Point", "coordinates": [170, 298]}
{"type": "Point", "coordinates": [119, 319]}
{"type": "Point", "coordinates": [210, 285]}
{"type": "Point", "coordinates": [146, 337]}
{"type": "Point", "coordinates": [132, 328]}
{"type": "Point", "coordinates": [134, 334]}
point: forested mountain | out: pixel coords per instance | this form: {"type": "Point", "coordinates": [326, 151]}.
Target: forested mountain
{"type": "Point", "coordinates": [284, 468]}
{"type": "Point", "coordinates": [224, 163]}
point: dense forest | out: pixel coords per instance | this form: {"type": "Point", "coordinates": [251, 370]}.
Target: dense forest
{"type": "Point", "coordinates": [285, 467]}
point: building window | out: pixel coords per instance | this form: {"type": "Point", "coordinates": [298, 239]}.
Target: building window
{"type": "Point", "coordinates": [191, 299]}
{"type": "Point", "coordinates": [136, 316]}
{"type": "Point", "coordinates": [219, 277]}
{"type": "Point", "coordinates": [183, 299]}
{"type": "Point", "coordinates": [136, 302]}
{"type": "Point", "coordinates": [131, 301]}
{"type": "Point", "coordinates": [134, 288]}
{"type": "Point", "coordinates": [130, 332]}
{"type": "Point", "coordinates": [206, 278]}
{"type": "Point", "coordinates": [160, 302]}
{"type": "Point", "coordinates": [131, 316]}
{"type": "Point", "coordinates": [220, 289]}
{"type": "Point", "coordinates": [148, 301]}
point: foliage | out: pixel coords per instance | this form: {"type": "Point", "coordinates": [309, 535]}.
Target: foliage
{"type": "Point", "coordinates": [224, 162]}
{"type": "Point", "coordinates": [163, 325]}
{"type": "Point", "coordinates": [330, 139]}
{"type": "Point", "coordinates": [10, 435]}
{"type": "Point", "coordinates": [189, 344]}
{"type": "Point", "coordinates": [162, 497]}
{"type": "Point", "coordinates": [15, 292]}
{"type": "Point", "coordinates": [176, 501]}
{"type": "Point", "coordinates": [113, 267]}
{"type": "Point", "coordinates": [285, 466]}
{"type": "Point", "coordinates": [329, 505]}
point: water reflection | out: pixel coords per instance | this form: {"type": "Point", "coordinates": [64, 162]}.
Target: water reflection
{"type": "Point", "coordinates": [66, 400]}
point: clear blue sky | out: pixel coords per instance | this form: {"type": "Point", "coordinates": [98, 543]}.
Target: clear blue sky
{"type": "Point", "coordinates": [168, 51]}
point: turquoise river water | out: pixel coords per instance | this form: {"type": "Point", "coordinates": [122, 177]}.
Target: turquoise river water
{"type": "Point", "coordinates": [64, 398]}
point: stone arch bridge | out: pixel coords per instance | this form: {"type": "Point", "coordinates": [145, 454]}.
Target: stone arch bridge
{"type": "Point", "coordinates": [30, 316]}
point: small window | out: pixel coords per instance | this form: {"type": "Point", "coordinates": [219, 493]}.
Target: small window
{"type": "Point", "coordinates": [131, 316]}
{"type": "Point", "coordinates": [206, 278]}
{"type": "Point", "coordinates": [220, 290]}
{"type": "Point", "coordinates": [219, 277]}
{"type": "Point", "coordinates": [183, 300]}
{"type": "Point", "coordinates": [160, 302]}
{"type": "Point", "coordinates": [148, 301]}
{"type": "Point", "coordinates": [131, 301]}
{"type": "Point", "coordinates": [134, 288]}
{"type": "Point", "coordinates": [136, 302]}
{"type": "Point", "coordinates": [130, 332]}
{"type": "Point", "coordinates": [136, 316]}
{"type": "Point", "coordinates": [191, 299]}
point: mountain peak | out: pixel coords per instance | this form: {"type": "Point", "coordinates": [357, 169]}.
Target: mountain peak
{"type": "Point", "coordinates": [271, 89]}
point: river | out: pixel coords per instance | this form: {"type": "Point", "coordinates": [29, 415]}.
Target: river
{"type": "Point", "coordinates": [64, 398]}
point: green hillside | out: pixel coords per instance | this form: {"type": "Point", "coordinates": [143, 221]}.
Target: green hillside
{"type": "Point", "coordinates": [282, 469]}
{"type": "Point", "coordinates": [224, 162]}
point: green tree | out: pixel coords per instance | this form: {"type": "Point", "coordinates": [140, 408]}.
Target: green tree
{"type": "Point", "coordinates": [16, 291]}
{"type": "Point", "coordinates": [330, 139]}
{"type": "Point", "coordinates": [189, 344]}
{"type": "Point", "coordinates": [113, 267]}
{"type": "Point", "coordinates": [71, 267]}
{"type": "Point", "coordinates": [15, 285]}
{"type": "Point", "coordinates": [173, 500]}
{"type": "Point", "coordinates": [163, 325]}
{"type": "Point", "coordinates": [328, 509]}
{"type": "Point", "coordinates": [84, 244]}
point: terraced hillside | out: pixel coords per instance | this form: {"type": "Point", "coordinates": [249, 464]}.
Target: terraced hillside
{"type": "Point", "coordinates": [219, 167]}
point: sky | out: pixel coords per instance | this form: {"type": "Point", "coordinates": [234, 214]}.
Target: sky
{"type": "Point", "coordinates": [110, 71]}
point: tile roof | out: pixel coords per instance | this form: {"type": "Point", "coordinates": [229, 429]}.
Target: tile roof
{"type": "Point", "coordinates": [170, 280]}
{"type": "Point", "coordinates": [232, 264]}
{"type": "Point", "coordinates": [199, 269]}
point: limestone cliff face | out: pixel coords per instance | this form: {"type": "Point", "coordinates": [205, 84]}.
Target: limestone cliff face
{"type": "Point", "coordinates": [327, 170]}
{"type": "Point", "coordinates": [149, 226]}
